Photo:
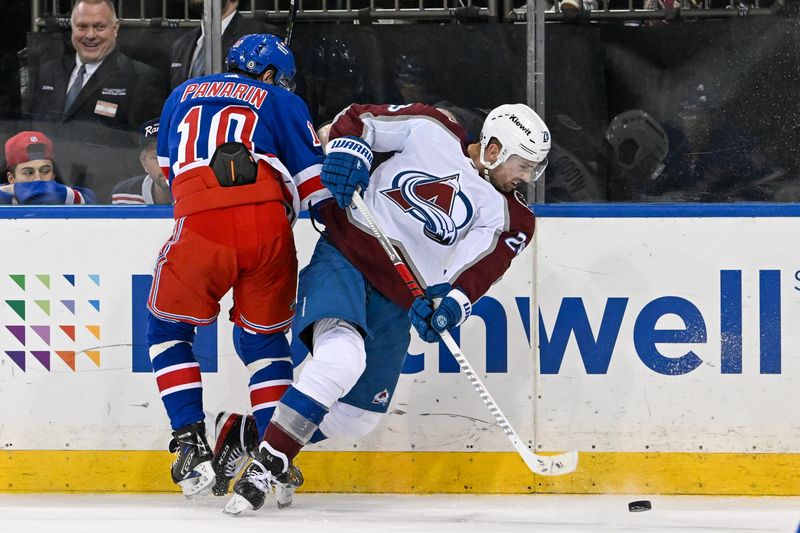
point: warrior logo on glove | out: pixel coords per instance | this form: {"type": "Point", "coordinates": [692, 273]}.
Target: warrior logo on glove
{"type": "Point", "coordinates": [346, 168]}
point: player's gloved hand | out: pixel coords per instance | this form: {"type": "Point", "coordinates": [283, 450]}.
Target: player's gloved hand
{"type": "Point", "coordinates": [346, 167]}
{"type": "Point", "coordinates": [430, 319]}
{"type": "Point", "coordinates": [420, 315]}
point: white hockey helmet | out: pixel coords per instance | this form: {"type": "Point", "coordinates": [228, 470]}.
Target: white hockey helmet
{"type": "Point", "coordinates": [521, 132]}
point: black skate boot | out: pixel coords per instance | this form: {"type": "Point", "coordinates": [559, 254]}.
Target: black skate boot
{"type": "Point", "coordinates": [237, 440]}
{"type": "Point", "coordinates": [269, 470]}
{"type": "Point", "coordinates": [192, 469]}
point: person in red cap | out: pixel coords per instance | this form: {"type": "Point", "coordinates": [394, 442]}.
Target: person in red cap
{"type": "Point", "coordinates": [31, 174]}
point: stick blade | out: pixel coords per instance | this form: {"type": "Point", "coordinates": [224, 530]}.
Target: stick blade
{"type": "Point", "coordinates": [551, 465]}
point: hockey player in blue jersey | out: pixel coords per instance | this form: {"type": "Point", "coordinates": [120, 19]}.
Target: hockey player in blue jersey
{"type": "Point", "coordinates": [242, 159]}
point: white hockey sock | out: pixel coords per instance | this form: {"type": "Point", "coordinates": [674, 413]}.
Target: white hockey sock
{"type": "Point", "coordinates": [339, 358]}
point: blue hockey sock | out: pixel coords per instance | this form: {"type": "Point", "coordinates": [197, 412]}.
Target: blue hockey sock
{"type": "Point", "coordinates": [177, 370]}
{"type": "Point", "coordinates": [268, 360]}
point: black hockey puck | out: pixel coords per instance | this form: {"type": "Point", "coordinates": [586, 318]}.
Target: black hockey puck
{"type": "Point", "coordinates": [639, 505]}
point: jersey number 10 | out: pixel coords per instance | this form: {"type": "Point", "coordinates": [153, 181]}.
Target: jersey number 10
{"type": "Point", "coordinates": [232, 123]}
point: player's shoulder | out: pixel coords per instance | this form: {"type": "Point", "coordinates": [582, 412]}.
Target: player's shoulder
{"type": "Point", "coordinates": [439, 119]}
{"type": "Point", "coordinates": [519, 210]}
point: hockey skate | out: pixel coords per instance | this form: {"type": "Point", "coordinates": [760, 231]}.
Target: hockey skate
{"type": "Point", "coordinates": [237, 440]}
{"type": "Point", "coordinates": [192, 469]}
{"type": "Point", "coordinates": [287, 485]}
{"type": "Point", "coordinates": [268, 471]}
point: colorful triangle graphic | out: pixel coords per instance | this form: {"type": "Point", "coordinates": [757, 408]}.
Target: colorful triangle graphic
{"type": "Point", "coordinates": [94, 355]}
{"type": "Point", "coordinates": [18, 358]}
{"type": "Point", "coordinates": [95, 330]}
{"type": "Point", "coordinates": [18, 332]}
{"type": "Point", "coordinates": [43, 356]}
{"type": "Point", "coordinates": [68, 358]}
{"type": "Point", "coordinates": [19, 279]}
{"type": "Point", "coordinates": [70, 279]}
{"type": "Point", "coordinates": [69, 330]}
{"type": "Point", "coordinates": [95, 304]}
{"type": "Point", "coordinates": [44, 305]}
{"type": "Point", "coordinates": [18, 306]}
{"type": "Point", "coordinates": [95, 278]}
{"type": "Point", "coordinates": [70, 305]}
{"type": "Point", "coordinates": [44, 278]}
{"type": "Point", "coordinates": [43, 332]}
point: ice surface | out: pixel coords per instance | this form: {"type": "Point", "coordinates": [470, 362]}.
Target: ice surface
{"type": "Point", "coordinates": [324, 513]}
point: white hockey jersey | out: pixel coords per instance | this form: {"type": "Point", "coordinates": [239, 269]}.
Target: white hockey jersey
{"type": "Point", "coordinates": [448, 223]}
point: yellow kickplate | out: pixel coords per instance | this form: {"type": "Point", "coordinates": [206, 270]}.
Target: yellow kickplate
{"type": "Point", "coordinates": [425, 472]}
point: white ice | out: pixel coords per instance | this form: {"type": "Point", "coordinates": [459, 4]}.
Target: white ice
{"type": "Point", "coordinates": [328, 513]}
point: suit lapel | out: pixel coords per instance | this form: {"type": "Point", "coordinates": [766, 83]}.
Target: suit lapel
{"type": "Point", "coordinates": [188, 52]}
{"type": "Point", "coordinates": [229, 37]}
{"type": "Point", "coordinates": [61, 80]}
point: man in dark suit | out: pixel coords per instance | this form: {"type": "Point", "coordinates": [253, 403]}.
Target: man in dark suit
{"type": "Point", "coordinates": [188, 59]}
{"type": "Point", "coordinates": [93, 102]}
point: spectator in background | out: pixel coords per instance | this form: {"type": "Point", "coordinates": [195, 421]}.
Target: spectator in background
{"type": "Point", "coordinates": [152, 186]}
{"type": "Point", "coordinates": [188, 54]}
{"type": "Point", "coordinates": [335, 77]}
{"type": "Point", "coordinates": [412, 80]}
{"type": "Point", "coordinates": [31, 174]}
{"type": "Point", "coordinates": [93, 102]}
{"type": "Point", "coordinates": [638, 147]}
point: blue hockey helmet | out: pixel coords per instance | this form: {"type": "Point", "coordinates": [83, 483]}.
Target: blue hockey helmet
{"type": "Point", "coordinates": [257, 52]}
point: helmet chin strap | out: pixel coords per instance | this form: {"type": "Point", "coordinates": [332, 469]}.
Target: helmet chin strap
{"type": "Point", "coordinates": [487, 167]}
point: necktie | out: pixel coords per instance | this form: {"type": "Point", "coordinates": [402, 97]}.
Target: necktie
{"type": "Point", "coordinates": [199, 62]}
{"type": "Point", "coordinates": [75, 88]}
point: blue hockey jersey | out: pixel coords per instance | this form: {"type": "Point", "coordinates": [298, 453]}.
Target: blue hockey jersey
{"type": "Point", "coordinates": [273, 123]}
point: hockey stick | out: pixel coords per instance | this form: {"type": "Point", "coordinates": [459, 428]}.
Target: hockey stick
{"type": "Point", "coordinates": [544, 465]}
{"type": "Point", "coordinates": [290, 22]}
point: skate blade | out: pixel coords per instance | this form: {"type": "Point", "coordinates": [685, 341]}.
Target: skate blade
{"type": "Point", "coordinates": [284, 504]}
{"type": "Point", "coordinates": [199, 485]}
{"type": "Point", "coordinates": [284, 497]}
{"type": "Point", "coordinates": [237, 505]}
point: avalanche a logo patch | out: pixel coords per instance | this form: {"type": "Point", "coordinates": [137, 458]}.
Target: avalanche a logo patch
{"type": "Point", "coordinates": [435, 201]}
{"type": "Point", "coordinates": [382, 398]}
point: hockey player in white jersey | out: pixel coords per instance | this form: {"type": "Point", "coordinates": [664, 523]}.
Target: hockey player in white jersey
{"type": "Point", "coordinates": [451, 209]}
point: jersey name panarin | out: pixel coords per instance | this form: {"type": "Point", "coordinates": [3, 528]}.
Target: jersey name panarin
{"type": "Point", "coordinates": [244, 92]}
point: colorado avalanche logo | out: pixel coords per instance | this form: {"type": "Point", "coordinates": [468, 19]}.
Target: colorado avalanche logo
{"type": "Point", "coordinates": [435, 201]}
{"type": "Point", "coordinates": [382, 398]}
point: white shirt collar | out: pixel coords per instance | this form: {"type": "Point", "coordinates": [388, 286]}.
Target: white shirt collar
{"type": "Point", "coordinates": [223, 23]}
{"type": "Point", "coordinates": [90, 69]}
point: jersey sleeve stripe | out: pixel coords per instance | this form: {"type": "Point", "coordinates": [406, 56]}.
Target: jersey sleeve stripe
{"type": "Point", "coordinates": [309, 187]}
